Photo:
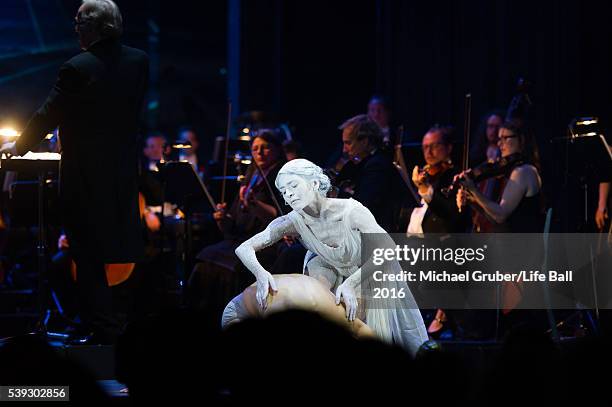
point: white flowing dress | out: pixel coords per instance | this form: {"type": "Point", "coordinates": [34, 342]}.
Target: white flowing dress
{"type": "Point", "coordinates": [395, 320]}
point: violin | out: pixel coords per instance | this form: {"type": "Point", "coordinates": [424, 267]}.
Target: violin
{"type": "Point", "coordinates": [433, 170]}
{"type": "Point", "coordinates": [500, 168]}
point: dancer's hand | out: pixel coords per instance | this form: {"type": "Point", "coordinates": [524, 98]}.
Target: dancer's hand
{"type": "Point", "coordinates": [265, 283]}
{"type": "Point", "coordinates": [346, 294]}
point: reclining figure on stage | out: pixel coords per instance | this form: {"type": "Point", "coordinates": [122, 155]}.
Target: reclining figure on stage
{"type": "Point", "coordinates": [331, 229]}
{"type": "Point", "coordinates": [294, 291]}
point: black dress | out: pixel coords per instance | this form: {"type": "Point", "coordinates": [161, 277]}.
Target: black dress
{"type": "Point", "coordinates": [527, 217]}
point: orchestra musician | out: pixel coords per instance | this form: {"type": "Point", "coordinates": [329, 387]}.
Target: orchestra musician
{"type": "Point", "coordinates": [218, 276]}
{"type": "Point", "coordinates": [372, 180]}
{"type": "Point", "coordinates": [192, 155]}
{"type": "Point", "coordinates": [379, 111]}
{"type": "Point", "coordinates": [96, 102]}
{"type": "Point", "coordinates": [486, 149]}
{"type": "Point", "coordinates": [518, 209]}
{"type": "Point", "coordinates": [438, 213]}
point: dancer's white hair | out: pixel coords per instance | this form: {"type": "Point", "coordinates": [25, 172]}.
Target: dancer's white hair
{"type": "Point", "coordinates": [308, 170]}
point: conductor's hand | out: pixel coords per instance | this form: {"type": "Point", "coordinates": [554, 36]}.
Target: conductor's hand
{"type": "Point", "coordinates": [600, 217]}
{"type": "Point", "coordinates": [346, 294]}
{"type": "Point", "coordinates": [219, 214]}
{"type": "Point", "coordinates": [8, 148]}
{"type": "Point", "coordinates": [265, 283]}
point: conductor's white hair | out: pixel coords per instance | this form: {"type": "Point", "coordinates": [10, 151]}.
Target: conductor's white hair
{"type": "Point", "coordinates": [105, 15]}
{"type": "Point", "coordinates": [307, 170]}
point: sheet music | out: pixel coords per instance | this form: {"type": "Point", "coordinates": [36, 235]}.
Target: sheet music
{"type": "Point", "coordinates": [38, 156]}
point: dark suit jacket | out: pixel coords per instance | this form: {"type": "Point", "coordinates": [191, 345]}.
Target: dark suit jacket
{"type": "Point", "coordinates": [442, 215]}
{"type": "Point", "coordinates": [96, 103]}
{"type": "Point", "coordinates": [377, 187]}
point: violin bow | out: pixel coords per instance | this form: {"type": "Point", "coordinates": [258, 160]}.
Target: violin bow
{"type": "Point", "coordinates": [270, 190]}
{"type": "Point", "coordinates": [466, 131]}
{"type": "Point", "coordinates": [400, 165]}
{"type": "Point", "coordinates": [227, 137]}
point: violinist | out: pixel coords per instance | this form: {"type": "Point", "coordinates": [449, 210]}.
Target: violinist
{"type": "Point", "coordinates": [438, 213]}
{"type": "Point", "coordinates": [518, 209]}
{"type": "Point", "coordinates": [218, 276]}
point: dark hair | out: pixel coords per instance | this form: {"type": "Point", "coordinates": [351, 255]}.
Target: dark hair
{"type": "Point", "coordinates": [156, 134]}
{"type": "Point", "coordinates": [364, 127]}
{"type": "Point", "coordinates": [529, 146]}
{"type": "Point", "coordinates": [445, 131]}
{"type": "Point", "coordinates": [478, 150]}
{"type": "Point", "coordinates": [185, 128]}
{"type": "Point", "coordinates": [382, 100]}
{"type": "Point", "coordinates": [269, 137]}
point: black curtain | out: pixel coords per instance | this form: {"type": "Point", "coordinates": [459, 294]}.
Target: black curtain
{"type": "Point", "coordinates": [316, 63]}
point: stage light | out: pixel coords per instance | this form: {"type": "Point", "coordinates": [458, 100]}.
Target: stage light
{"type": "Point", "coordinates": [181, 146]}
{"type": "Point", "coordinates": [8, 132]}
{"type": "Point", "coordinates": [584, 127]}
{"type": "Point", "coordinates": [246, 130]}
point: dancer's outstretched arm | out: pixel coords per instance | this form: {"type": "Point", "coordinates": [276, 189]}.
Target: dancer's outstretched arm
{"type": "Point", "coordinates": [275, 231]}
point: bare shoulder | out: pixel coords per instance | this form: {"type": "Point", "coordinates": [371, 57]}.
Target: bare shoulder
{"type": "Point", "coordinates": [525, 170]}
{"type": "Point", "coordinates": [528, 177]}
{"type": "Point", "coordinates": [282, 224]}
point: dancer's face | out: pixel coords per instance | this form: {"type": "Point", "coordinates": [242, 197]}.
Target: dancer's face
{"type": "Point", "coordinates": [297, 191]}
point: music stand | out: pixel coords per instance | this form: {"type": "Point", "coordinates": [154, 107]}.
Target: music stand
{"type": "Point", "coordinates": [590, 150]}
{"type": "Point", "coordinates": [41, 168]}
{"type": "Point", "coordinates": [590, 154]}
{"type": "Point", "coordinates": [184, 188]}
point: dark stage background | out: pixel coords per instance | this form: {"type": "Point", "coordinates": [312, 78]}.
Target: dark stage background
{"type": "Point", "coordinates": [316, 63]}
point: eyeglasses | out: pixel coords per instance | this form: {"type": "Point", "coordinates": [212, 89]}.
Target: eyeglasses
{"type": "Point", "coordinates": [432, 146]}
